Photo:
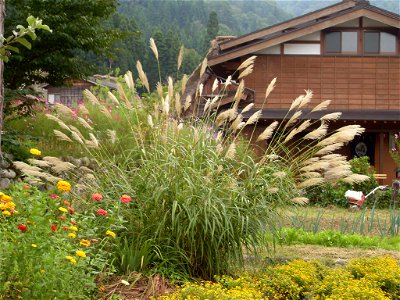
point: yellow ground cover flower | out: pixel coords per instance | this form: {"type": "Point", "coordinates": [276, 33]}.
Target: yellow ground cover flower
{"type": "Point", "coordinates": [85, 243]}
{"type": "Point", "coordinates": [63, 186]}
{"type": "Point", "coordinates": [72, 235]}
{"type": "Point", "coordinates": [10, 205]}
{"type": "Point", "coordinates": [80, 253]}
{"type": "Point", "coordinates": [2, 206]}
{"type": "Point", "coordinates": [73, 228]}
{"type": "Point", "coordinates": [111, 233]}
{"type": "Point", "coordinates": [71, 259]}
{"type": "Point", "coordinates": [63, 209]}
{"type": "Point", "coordinates": [34, 245]}
{"type": "Point", "coordinates": [35, 151]}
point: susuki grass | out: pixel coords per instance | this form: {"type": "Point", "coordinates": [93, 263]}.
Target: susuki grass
{"type": "Point", "coordinates": [200, 193]}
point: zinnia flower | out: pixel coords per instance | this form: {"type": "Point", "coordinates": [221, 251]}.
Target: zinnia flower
{"type": "Point", "coordinates": [35, 151]}
{"type": "Point", "coordinates": [71, 259]}
{"type": "Point", "coordinates": [62, 218]}
{"type": "Point", "coordinates": [73, 228]}
{"type": "Point", "coordinates": [53, 227]}
{"type": "Point", "coordinates": [97, 197]}
{"type": "Point", "coordinates": [62, 209]}
{"type": "Point", "coordinates": [71, 210]}
{"type": "Point", "coordinates": [80, 253]}
{"type": "Point", "coordinates": [85, 243]}
{"type": "Point", "coordinates": [53, 196]}
{"type": "Point", "coordinates": [102, 212]}
{"type": "Point", "coordinates": [63, 186]}
{"type": "Point", "coordinates": [72, 235]}
{"type": "Point", "coordinates": [6, 213]}
{"type": "Point", "coordinates": [111, 233]}
{"type": "Point", "coordinates": [10, 205]}
{"type": "Point", "coordinates": [26, 187]}
{"type": "Point", "coordinates": [125, 198]}
{"type": "Point", "coordinates": [22, 227]}
{"type": "Point", "coordinates": [67, 203]}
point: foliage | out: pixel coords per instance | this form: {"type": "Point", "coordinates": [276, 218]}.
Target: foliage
{"type": "Point", "coordinates": [76, 25]}
{"type": "Point", "coordinates": [330, 238]}
{"type": "Point", "coordinates": [395, 151]}
{"type": "Point", "coordinates": [333, 194]}
{"type": "Point", "coordinates": [53, 246]}
{"type": "Point", "coordinates": [365, 278]}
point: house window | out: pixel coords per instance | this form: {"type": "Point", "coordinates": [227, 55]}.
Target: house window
{"type": "Point", "coordinates": [341, 42]}
{"type": "Point", "coordinates": [379, 42]}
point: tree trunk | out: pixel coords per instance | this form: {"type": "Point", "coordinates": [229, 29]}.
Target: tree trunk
{"type": "Point", "coordinates": [2, 15]}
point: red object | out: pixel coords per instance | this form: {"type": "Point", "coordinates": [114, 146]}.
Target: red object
{"type": "Point", "coordinates": [26, 186]}
{"type": "Point", "coordinates": [65, 228]}
{"type": "Point", "coordinates": [22, 227]}
{"type": "Point", "coordinates": [97, 197]}
{"type": "Point", "coordinates": [67, 203]}
{"type": "Point", "coordinates": [74, 223]}
{"type": "Point", "coordinates": [102, 212]}
{"type": "Point", "coordinates": [53, 227]}
{"type": "Point", "coordinates": [125, 198]}
{"type": "Point", "coordinates": [71, 210]}
{"type": "Point", "coordinates": [62, 218]}
{"type": "Point", "coordinates": [53, 196]}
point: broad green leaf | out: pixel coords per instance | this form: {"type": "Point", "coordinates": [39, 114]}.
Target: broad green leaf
{"type": "Point", "coordinates": [4, 58]}
{"type": "Point", "coordinates": [24, 42]}
{"type": "Point", "coordinates": [12, 48]}
{"type": "Point", "coordinates": [44, 27]}
{"type": "Point", "coordinates": [31, 20]}
{"type": "Point", "coordinates": [32, 35]}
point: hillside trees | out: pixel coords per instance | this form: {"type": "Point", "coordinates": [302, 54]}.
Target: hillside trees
{"type": "Point", "coordinates": [77, 26]}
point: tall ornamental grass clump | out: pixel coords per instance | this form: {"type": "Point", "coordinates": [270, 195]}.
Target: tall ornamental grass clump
{"type": "Point", "coordinates": [201, 196]}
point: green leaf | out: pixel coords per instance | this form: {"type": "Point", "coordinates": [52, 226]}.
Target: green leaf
{"type": "Point", "coordinates": [12, 48]}
{"type": "Point", "coordinates": [32, 35]}
{"type": "Point", "coordinates": [4, 58]}
{"type": "Point", "coordinates": [24, 42]}
{"type": "Point", "coordinates": [31, 20]}
{"type": "Point", "coordinates": [44, 27]}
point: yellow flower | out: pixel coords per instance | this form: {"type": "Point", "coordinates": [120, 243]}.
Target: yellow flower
{"type": "Point", "coordinates": [71, 259]}
{"type": "Point", "coordinates": [6, 213]}
{"type": "Point", "coordinates": [35, 151]}
{"type": "Point", "coordinates": [10, 205]}
{"type": "Point", "coordinates": [73, 228]}
{"type": "Point", "coordinates": [85, 243]}
{"type": "Point", "coordinates": [62, 209]}
{"type": "Point", "coordinates": [72, 235]}
{"type": "Point", "coordinates": [5, 198]}
{"type": "Point", "coordinates": [34, 245]}
{"type": "Point", "coordinates": [110, 233]}
{"type": "Point", "coordinates": [63, 186]}
{"type": "Point", "coordinates": [2, 206]}
{"type": "Point", "coordinates": [80, 253]}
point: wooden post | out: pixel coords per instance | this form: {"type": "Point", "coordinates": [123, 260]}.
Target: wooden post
{"type": "Point", "coordinates": [2, 15]}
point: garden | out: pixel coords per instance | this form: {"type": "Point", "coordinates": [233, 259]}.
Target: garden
{"type": "Point", "coordinates": [128, 196]}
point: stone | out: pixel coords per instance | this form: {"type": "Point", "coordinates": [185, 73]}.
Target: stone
{"type": "Point", "coordinates": [4, 183]}
{"type": "Point", "coordinates": [340, 262]}
{"type": "Point", "coordinates": [4, 164]}
{"type": "Point", "coordinates": [8, 174]}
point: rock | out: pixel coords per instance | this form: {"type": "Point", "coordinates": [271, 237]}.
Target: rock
{"type": "Point", "coordinates": [4, 164]}
{"type": "Point", "coordinates": [8, 156]}
{"type": "Point", "coordinates": [8, 174]}
{"type": "Point", "coordinates": [340, 262]}
{"type": "Point", "coordinates": [4, 183]}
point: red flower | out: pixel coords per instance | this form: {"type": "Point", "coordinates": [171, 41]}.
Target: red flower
{"type": "Point", "coordinates": [22, 227]}
{"type": "Point", "coordinates": [67, 203]}
{"type": "Point", "coordinates": [71, 210]}
{"type": "Point", "coordinates": [73, 223]}
{"type": "Point", "coordinates": [26, 186]}
{"type": "Point", "coordinates": [53, 196]}
{"type": "Point", "coordinates": [125, 198]}
{"type": "Point", "coordinates": [62, 218]}
{"type": "Point", "coordinates": [97, 197]}
{"type": "Point", "coordinates": [53, 227]}
{"type": "Point", "coordinates": [102, 212]}
{"type": "Point", "coordinates": [65, 228]}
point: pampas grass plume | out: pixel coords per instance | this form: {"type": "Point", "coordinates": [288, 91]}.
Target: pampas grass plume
{"type": "Point", "coordinates": [61, 136]}
{"type": "Point", "coordinates": [267, 133]}
{"type": "Point", "coordinates": [180, 57]}
{"type": "Point", "coordinates": [153, 47]}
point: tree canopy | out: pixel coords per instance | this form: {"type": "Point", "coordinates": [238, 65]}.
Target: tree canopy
{"type": "Point", "coordinates": [77, 27]}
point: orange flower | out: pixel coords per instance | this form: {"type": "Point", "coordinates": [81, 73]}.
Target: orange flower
{"type": "Point", "coordinates": [85, 243]}
{"type": "Point", "coordinates": [97, 197]}
{"type": "Point", "coordinates": [125, 198]}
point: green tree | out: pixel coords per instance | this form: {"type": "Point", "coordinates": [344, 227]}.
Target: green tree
{"type": "Point", "coordinates": [212, 29]}
{"type": "Point", "coordinates": [77, 26]}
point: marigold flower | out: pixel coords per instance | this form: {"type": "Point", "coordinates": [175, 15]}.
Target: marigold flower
{"type": "Point", "coordinates": [2, 206]}
{"type": "Point", "coordinates": [53, 227]}
{"type": "Point", "coordinates": [85, 243]}
{"type": "Point", "coordinates": [63, 186]}
{"type": "Point", "coordinates": [73, 228]}
{"type": "Point", "coordinates": [6, 213]}
{"type": "Point", "coordinates": [71, 259]}
{"type": "Point", "coordinates": [35, 151]}
{"type": "Point", "coordinates": [125, 198]}
{"type": "Point", "coordinates": [63, 209]}
{"type": "Point", "coordinates": [22, 227]}
{"type": "Point", "coordinates": [102, 212]}
{"type": "Point", "coordinates": [72, 235]}
{"type": "Point", "coordinates": [10, 205]}
{"type": "Point", "coordinates": [5, 198]}
{"type": "Point", "coordinates": [97, 197]}
{"type": "Point", "coordinates": [34, 245]}
{"type": "Point", "coordinates": [80, 253]}
{"type": "Point", "coordinates": [111, 233]}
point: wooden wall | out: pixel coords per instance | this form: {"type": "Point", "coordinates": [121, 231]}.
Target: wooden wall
{"type": "Point", "coordinates": [351, 82]}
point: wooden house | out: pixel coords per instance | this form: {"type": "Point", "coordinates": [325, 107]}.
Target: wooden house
{"type": "Point", "coordinates": [347, 52]}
